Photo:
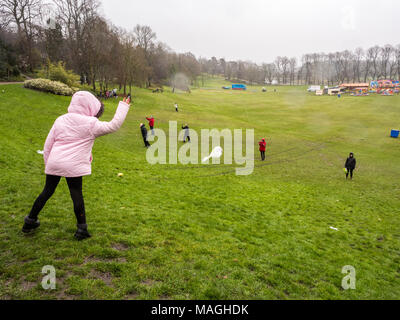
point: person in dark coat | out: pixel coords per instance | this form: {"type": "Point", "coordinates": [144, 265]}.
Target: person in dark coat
{"type": "Point", "coordinates": [186, 128]}
{"type": "Point", "coordinates": [350, 165]}
{"type": "Point", "coordinates": [144, 135]}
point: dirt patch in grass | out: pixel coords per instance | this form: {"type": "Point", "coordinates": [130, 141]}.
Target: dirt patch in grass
{"type": "Point", "coordinates": [64, 296]}
{"type": "Point", "coordinates": [149, 282]}
{"type": "Point", "coordinates": [120, 246]}
{"type": "Point", "coordinates": [61, 290]}
{"type": "Point", "coordinates": [132, 296]}
{"type": "Point", "coordinates": [28, 285]}
{"type": "Point", "coordinates": [8, 282]}
{"type": "Point", "coordinates": [106, 277]}
{"type": "Point", "coordinates": [92, 259]}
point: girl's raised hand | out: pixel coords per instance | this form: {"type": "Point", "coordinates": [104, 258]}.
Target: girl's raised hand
{"type": "Point", "coordinates": [127, 100]}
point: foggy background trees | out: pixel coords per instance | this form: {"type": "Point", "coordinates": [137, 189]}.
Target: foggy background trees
{"type": "Point", "coordinates": [33, 32]}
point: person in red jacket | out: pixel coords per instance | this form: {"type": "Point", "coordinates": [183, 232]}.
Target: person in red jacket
{"type": "Point", "coordinates": [151, 124]}
{"type": "Point", "coordinates": [262, 145]}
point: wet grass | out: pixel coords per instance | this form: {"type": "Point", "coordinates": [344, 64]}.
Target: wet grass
{"type": "Point", "coordinates": [201, 232]}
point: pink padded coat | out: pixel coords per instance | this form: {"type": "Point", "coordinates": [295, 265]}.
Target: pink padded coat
{"type": "Point", "coordinates": [68, 147]}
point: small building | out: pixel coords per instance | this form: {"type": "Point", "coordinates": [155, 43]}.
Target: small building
{"type": "Point", "coordinates": [354, 86]}
{"type": "Point", "coordinates": [313, 88]}
{"type": "Point", "coordinates": [335, 91]}
{"type": "Point", "coordinates": [239, 87]}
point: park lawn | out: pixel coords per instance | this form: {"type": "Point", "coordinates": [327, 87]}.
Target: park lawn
{"type": "Point", "coordinates": [201, 232]}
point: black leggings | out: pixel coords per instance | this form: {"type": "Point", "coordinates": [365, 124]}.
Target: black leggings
{"type": "Point", "coordinates": [351, 173]}
{"type": "Point", "coordinates": [146, 143]}
{"type": "Point", "coordinates": [262, 155]}
{"type": "Point", "coordinates": [75, 189]}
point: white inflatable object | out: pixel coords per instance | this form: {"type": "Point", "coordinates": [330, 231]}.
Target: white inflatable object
{"type": "Point", "coordinates": [216, 153]}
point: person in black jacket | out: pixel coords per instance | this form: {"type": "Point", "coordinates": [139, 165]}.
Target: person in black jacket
{"type": "Point", "coordinates": [350, 165]}
{"type": "Point", "coordinates": [186, 136]}
{"type": "Point", "coordinates": [144, 135]}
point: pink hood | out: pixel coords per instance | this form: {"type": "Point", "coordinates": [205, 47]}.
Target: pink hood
{"type": "Point", "coordinates": [84, 103]}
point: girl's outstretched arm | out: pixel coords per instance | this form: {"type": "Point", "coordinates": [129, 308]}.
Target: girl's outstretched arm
{"type": "Point", "coordinates": [101, 128]}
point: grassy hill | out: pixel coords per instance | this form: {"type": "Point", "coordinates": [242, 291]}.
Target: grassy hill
{"type": "Point", "coordinates": [200, 232]}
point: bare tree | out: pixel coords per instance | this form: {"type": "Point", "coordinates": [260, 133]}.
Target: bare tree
{"type": "Point", "coordinates": [213, 66]}
{"type": "Point", "coordinates": [25, 17]}
{"type": "Point", "coordinates": [292, 68]}
{"type": "Point", "coordinates": [74, 16]}
{"type": "Point", "coordinates": [385, 53]}
{"type": "Point", "coordinates": [144, 36]}
{"type": "Point", "coordinates": [357, 60]}
{"type": "Point", "coordinates": [373, 55]}
{"type": "Point", "coordinates": [268, 72]}
{"type": "Point", "coordinates": [397, 54]}
{"type": "Point", "coordinates": [278, 68]}
{"type": "Point", "coordinates": [222, 64]}
{"type": "Point", "coordinates": [96, 38]}
{"type": "Point", "coordinates": [307, 68]}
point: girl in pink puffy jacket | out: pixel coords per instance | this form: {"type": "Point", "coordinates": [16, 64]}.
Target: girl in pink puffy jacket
{"type": "Point", "coordinates": [68, 153]}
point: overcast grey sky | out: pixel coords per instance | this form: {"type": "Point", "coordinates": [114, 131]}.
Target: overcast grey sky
{"type": "Point", "coordinates": [260, 30]}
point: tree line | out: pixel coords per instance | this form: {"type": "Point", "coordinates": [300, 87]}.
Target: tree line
{"type": "Point", "coordinates": [103, 54]}
{"type": "Point", "coordinates": [361, 65]}
{"type": "Point", "coordinates": [98, 51]}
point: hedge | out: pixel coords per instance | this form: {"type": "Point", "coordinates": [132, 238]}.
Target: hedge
{"type": "Point", "coordinates": [46, 85]}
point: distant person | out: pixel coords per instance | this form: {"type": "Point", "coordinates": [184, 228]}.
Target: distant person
{"type": "Point", "coordinates": [151, 124]}
{"type": "Point", "coordinates": [186, 135]}
{"type": "Point", "coordinates": [68, 153]}
{"type": "Point", "coordinates": [144, 135]}
{"type": "Point", "coordinates": [176, 107]}
{"type": "Point", "coordinates": [350, 165]}
{"type": "Point", "coordinates": [114, 93]}
{"type": "Point", "coordinates": [262, 145]}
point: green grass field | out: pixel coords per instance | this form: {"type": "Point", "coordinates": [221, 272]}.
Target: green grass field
{"type": "Point", "coordinates": [198, 232]}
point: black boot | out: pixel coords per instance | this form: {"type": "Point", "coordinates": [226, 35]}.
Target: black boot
{"type": "Point", "coordinates": [30, 224]}
{"type": "Point", "coordinates": [82, 232]}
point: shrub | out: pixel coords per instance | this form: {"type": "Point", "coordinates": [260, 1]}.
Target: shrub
{"type": "Point", "coordinates": [47, 85]}
{"type": "Point", "coordinates": [58, 72]}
